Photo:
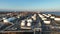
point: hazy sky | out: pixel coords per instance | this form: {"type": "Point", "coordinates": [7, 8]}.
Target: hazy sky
{"type": "Point", "coordinates": [30, 4]}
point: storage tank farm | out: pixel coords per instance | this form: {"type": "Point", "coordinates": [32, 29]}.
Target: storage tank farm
{"type": "Point", "coordinates": [35, 22]}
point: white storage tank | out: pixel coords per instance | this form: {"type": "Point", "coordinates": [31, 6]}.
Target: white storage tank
{"type": "Point", "coordinates": [52, 17]}
{"type": "Point", "coordinates": [57, 19]}
{"type": "Point", "coordinates": [33, 17]}
{"type": "Point", "coordinates": [41, 16]}
{"type": "Point", "coordinates": [44, 18]}
{"type": "Point", "coordinates": [28, 24]}
{"type": "Point", "coordinates": [5, 20]}
{"type": "Point", "coordinates": [47, 22]}
{"type": "Point", "coordinates": [23, 23]}
{"type": "Point", "coordinates": [49, 14]}
{"type": "Point", "coordinates": [29, 20]}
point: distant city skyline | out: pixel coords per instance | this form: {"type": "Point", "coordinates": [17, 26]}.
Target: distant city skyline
{"type": "Point", "coordinates": [30, 4]}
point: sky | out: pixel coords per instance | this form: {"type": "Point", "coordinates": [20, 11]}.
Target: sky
{"type": "Point", "coordinates": [30, 4]}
